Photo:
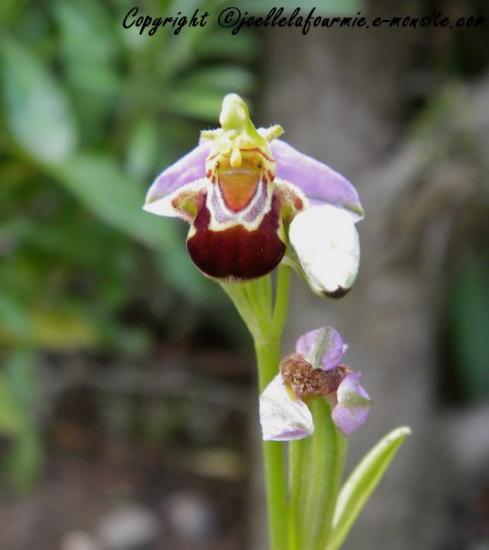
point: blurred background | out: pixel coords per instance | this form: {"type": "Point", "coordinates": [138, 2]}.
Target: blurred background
{"type": "Point", "coordinates": [127, 384]}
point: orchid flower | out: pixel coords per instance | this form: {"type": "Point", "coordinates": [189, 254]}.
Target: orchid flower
{"type": "Point", "coordinates": [313, 372]}
{"type": "Point", "coordinates": [253, 201]}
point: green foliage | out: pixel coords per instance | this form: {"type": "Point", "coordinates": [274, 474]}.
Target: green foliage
{"type": "Point", "coordinates": [18, 402]}
{"type": "Point", "coordinates": [468, 323]}
{"type": "Point", "coordinates": [37, 110]}
{"type": "Point", "coordinates": [96, 110]}
{"type": "Point", "coordinates": [89, 114]}
{"type": "Point", "coordinates": [361, 484]}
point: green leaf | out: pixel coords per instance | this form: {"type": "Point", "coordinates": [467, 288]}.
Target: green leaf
{"type": "Point", "coordinates": [89, 52]}
{"type": "Point", "coordinates": [223, 79]}
{"type": "Point", "coordinates": [10, 417]}
{"type": "Point", "coordinates": [181, 273]}
{"type": "Point", "coordinates": [9, 11]}
{"type": "Point", "coordinates": [18, 396]}
{"type": "Point", "coordinates": [23, 381]}
{"type": "Point", "coordinates": [143, 148]}
{"type": "Point", "coordinates": [469, 326]}
{"type": "Point", "coordinates": [14, 321]}
{"type": "Point", "coordinates": [61, 329]}
{"type": "Point", "coordinates": [87, 37]}
{"type": "Point", "coordinates": [37, 113]}
{"type": "Point", "coordinates": [200, 104]}
{"type": "Point", "coordinates": [24, 462]}
{"type": "Point", "coordinates": [243, 46]}
{"type": "Point", "coordinates": [361, 483]}
{"type": "Point", "coordinates": [100, 184]}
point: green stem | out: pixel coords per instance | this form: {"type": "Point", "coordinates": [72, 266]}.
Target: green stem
{"type": "Point", "coordinates": [337, 455]}
{"type": "Point", "coordinates": [239, 295]}
{"type": "Point", "coordinates": [268, 356]}
{"type": "Point", "coordinates": [253, 300]}
{"type": "Point", "coordinates": [281, 300]}
{"type": "Point", "coordinates": [325, 453]}
{"type": "Point", "coordinates": [295, 482]}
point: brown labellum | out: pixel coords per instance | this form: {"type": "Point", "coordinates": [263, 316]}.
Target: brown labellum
{"type": "Point", "coordinates": [307, 382]}
{"type": "Point", "coordinates": [236, 252]}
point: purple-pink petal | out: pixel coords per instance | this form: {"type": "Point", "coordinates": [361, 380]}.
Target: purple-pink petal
{"type": "Point", "coordinates": [353, 404]}
{"type": "Point", "coordinates": [320, 183]}
{"type": "Point", "coordinates": [330, 342]}
{"type": "Point", "coordinates": [189, 168]}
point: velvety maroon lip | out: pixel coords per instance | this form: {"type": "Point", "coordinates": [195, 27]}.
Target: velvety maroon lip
{"type": "Point", "coordinates": [236, 252]}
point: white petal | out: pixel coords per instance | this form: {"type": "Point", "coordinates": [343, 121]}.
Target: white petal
{"type": "Point", "coordinates": [282, 417]}
{"type": "Point", "coordinates": [327, 245]}
{"type": "Point", "coordinates": [180, 203]}
{"type": "Point", "coordinates": [162, 207]}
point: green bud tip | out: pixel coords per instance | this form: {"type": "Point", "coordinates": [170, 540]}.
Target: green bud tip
{"type": "Point", "coordinates": [238, 131]}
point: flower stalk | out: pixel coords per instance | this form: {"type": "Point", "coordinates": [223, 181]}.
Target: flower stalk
{"type": "Point", "coordinates": [267, 356]}
{"type": "Point", "coordinates": [325, 452]}
{"type": "Point", "coordinates": [265, 319]}
{"type": "Point", "coordinates": [273, 457]}
{"type": "Point", "coordinates": [315, 470]}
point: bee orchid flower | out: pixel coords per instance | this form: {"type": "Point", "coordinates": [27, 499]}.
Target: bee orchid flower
{"type": "Point", "coordinates": [253, 201]}
{"type": "Point", "coordinates": [314, 371]}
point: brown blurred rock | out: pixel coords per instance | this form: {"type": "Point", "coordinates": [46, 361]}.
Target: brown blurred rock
{"type": "Point", "coordinates": [79, 540]}
{"type": "Point", "coordinates": [192, 516]}
{"type": "Point", "coordinates": [129, 528]}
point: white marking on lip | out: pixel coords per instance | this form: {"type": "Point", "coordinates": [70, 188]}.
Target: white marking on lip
{"type": "Point", "coordinates": [223, 218]}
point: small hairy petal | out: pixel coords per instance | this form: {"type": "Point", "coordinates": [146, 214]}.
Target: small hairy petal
{"type": "Point", "coordinates": [282, 416]}
{"type": "Point", "coordinates": [327, 246]}
{"type": "Point", "coordinates": [322, 347]}
{"type": "Point", "coordinates": [353, 404]}
{"type": "Point", "coordinates": [307, 382]}
{"type": "Point", "coordinates": [189, 168]}
{"type": "Point", "coordinates": [183, 203]}
{"type": "Point", "coordinates": [292, 199]}
{"type": "Point", "coordinates": [320, 183]}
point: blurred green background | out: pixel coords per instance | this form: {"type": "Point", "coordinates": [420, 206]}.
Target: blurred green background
{"type": "Point", "coordinates": [90, 113]}
{"type": "Point", "coordinates": [93, 291]}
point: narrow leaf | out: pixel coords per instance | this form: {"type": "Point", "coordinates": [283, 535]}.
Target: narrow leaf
{"type": "Point", "coordinates": [201, 104]}
{"type": "Point", "coordinates": [101, 185]}
{"type": "Point", "coordinates": [361, 484]}
{"type": "Point", "coordinates": [18, 387]}
{"type": "Point", "coordinates": [221, 78]}
{"type": "Point", "coordinates": [242, 47]}
{"type": "Point", "coordinates": [143, 149]}
{"type": "Point", "coordinates": [38, 113]}
{"type": "Point", "coordinates": [10, 417]}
